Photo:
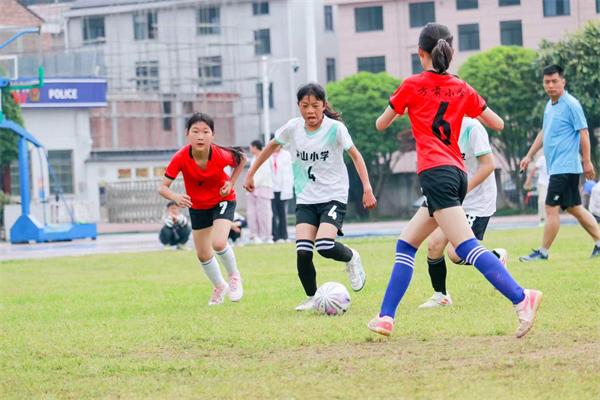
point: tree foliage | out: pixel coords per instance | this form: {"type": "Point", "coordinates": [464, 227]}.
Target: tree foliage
{"type": "Point", "coordinates": [361, 98]}
{"type": "Point", "coordinates": [8, 140]}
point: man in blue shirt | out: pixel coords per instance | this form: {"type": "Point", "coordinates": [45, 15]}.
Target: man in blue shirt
{"type": "Point", "coordinates": [564, 132]}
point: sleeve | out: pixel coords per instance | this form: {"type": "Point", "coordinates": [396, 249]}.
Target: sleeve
{"type": "Point", "coordinates": [577, 117]}
{"type": "Point", "coordinates": [283, 135]}
{"type": "Point", "coordinates": [401, 97]}
{"type": "Point", "coordinates": [343, 137]}
{"type": "Point", "coordinates": [480, 141]}
{"type": "Point", "coordinates": [475, 104]}
{"type": "Point", "coordinates": [174, 167]}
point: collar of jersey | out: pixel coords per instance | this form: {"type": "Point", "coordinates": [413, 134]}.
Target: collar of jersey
{"type": "Point", "coordinates": [209, 152]}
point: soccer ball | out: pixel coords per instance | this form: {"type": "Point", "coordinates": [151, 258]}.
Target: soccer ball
{"type": "Point", "coordinates": [332, 298]}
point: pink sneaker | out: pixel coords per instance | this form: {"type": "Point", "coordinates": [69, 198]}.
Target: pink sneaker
{"type": "Point", "coordinates": [218, 295]}
{"type": "Point", "coordinates": [236, 290]}
{"type": "Point", "coordinates": [382, 325]}
{"type": "Point", "coordinates": [527, 311]}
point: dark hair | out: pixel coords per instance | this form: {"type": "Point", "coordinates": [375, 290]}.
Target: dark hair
{"type": "Point", "coordinates": [316, 90]}
{"type": "Point", "coordinates": [436, 40]}
{"type": "Point", "coordinates": [171, 203]}
{"type": "Point", "coordinates": [553, 69]}
{"type": "Point", "coordinates": [257, 143]}
{"type": "Point", "coordinates": [238, 153]}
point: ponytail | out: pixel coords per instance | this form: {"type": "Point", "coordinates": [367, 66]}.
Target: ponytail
{"type": "Point", "coordinates": [441, 55]}
{"type": "Point", "coordinates": [436, 40]}
{"type": "Point", "coordinates": [237, 153]}
{"type": "Point", "coordinates": [331, 113]}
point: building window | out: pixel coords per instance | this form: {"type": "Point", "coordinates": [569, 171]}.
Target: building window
{"type": "Point", "coordinates": [209, 21]}
{"type": "Point", "coordinates": [159, 172]}
{"type": "Point", "coordinates": [371, 64]}
{"type": "Point", "coordinates": [142, 173]}
{"type": "Point", "coordinates": [15, 183]}
{"type": "Point", "coordinates": [368, 19]}
{"type": "Point", "coordinates": [259, 95]}
{"type": "Point", "coordinates": [330, 66]}
{"type": "Point", "coordinates": [61, 162]}
{"type": "Point", "coordinates": [188, 108]}
{"type": "Point", "coordinates": [466, 4]}
{"type": "Point", "coordinates": [598, 6]}
{"type": "Point", "coordinates": [503, 3]}
{"type": "Point", "coordinates": [124, 173]}
{"type": "Point", "coordinates": [260, 8]}
{"type": "Point", "coordinates": [511, 33]}
{"type": "Point", "coordinates": [145, 25]}
{"type": "Point", "coordinates": [468, 37]}
{"type": "Point", "coordinates": [415, 61]}
{"type": "Point", "coordinates": [262, 42]}
{"type": "Point", "coordinates": [328, 10]}
{"type": "Point", "coordinates": [421, 14]}
{"type": "Point", "coordinates": [167, 119]}
{"type": "Point", "coordinates": [146, 76]}
{"type": "Point", "coordinates": [93, 29]}
{"type": "Point", "coordinates": [555, 8]}
{"type": "Point", "coordinates": [210, 70]}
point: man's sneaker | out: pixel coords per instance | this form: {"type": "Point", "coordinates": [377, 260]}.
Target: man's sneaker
{"type": "Point", "coordinates": [355, 271]}
{"type": "Point", "coordinates": [502, 255]}
{"type": "Point", "coordinates": [382, 325]}
{"type": "Point", "coordinates": [438, 299]}
{"type": "Point", "coordinates": [236, 290]}
{"type": "Point", "coordinates": [218, 295]}
{"type": "Point", "coordinates": [308, 304]}
{"type": "Point", "coordinates": [595, 252]}
{"type": "Point", "coordinates": [527, 311]}
{"type": "Point", "coordinates": [535, 255]}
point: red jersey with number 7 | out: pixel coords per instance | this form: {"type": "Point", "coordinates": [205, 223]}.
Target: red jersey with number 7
{"type": "Point", "coordinates": [203, 185]}
{"type": "Point", "coordinates": [436, 105]}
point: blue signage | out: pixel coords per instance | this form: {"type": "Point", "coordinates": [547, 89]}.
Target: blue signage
{"type": "Point", "coordinates": [66, 93]}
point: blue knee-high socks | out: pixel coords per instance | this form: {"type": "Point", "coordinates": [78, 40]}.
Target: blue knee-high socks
{"type": "Point", "coordinates": [401, 275]}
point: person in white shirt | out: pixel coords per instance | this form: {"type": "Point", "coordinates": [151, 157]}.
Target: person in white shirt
{"type": "Point", "coordinates": [258, 206]}
{"type": "Point", "coordinates": [543, 179]}
{"type": "Point", "coordinates": [283, 190]}
{"type": "Point", "coordinates": [594, 205]}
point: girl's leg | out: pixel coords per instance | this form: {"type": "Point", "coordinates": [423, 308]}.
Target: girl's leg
{"type": "Point", "coordinates": [204, 251]}
{"type": "Point", "coordinates": [435, 260]}
{"type": "Point", "coordinates": [305, 241]}
{"type": "Point", "coordinates": [220, 233]}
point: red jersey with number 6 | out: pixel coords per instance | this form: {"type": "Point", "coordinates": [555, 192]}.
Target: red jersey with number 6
{"type": "Point", "coordinates": [436, 105]}
{"type": "Point", "coordinates": [203, 185]}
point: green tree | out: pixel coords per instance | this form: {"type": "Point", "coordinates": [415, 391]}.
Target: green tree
{"type": "Point", "coordinates": [361, 98]}
{"type": "Point", "coordinates": [579, 55]}
{"type": "Point", "coordinates": [8, 140]}
{"type": "Point", "coordinates": [507, 78]}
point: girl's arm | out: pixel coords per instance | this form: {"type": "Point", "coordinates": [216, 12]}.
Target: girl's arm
{"type": "Point", "coordinates": [260, 160]}
{"type": "Point", "coordinates": [226, 189]}
{"type": "Point", "coordinates": [386, 119]}
{"type": "Point", "coordinates": [369, 200]}
{"type": "Point", "coordinates": [182, 200]}
{"type": "Point", "coordinates": [490, 119]}
{"type": "Point", "coordinates": [487, 165]}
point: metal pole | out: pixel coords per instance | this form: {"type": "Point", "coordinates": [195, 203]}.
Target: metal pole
{"type": "Point", "coordinates": [311, 43]}
{"type": "Point", "coordinates": [24, 176]}
{"type": "Point", "coordinates": [266, 122]}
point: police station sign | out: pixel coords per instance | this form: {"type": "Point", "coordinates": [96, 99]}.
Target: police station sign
{"type": "Point", "coordinates": [65, 93]}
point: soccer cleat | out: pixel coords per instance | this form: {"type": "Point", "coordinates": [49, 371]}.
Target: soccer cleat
{"type": "Point", "coordinates": [502, 255]}
{"type": "Point", "coordinates": [218, 295]}
{"type": "Point", "coordinates": [438, 299]}
{"type": "Point", "coordinates": [355, 271]}
{"type": "Point", "coordinates": [308, 304]}
{"type": "Point", "coordinates": [534, 256]}
{"type": "Point", "coordinates": [595, 252]}
{"type": "Point", "coordinates": [382, 325]}
{"type": "Point", "coordinates": [527, 311]}
{"type": "Point", "coordinates": [236, 290]}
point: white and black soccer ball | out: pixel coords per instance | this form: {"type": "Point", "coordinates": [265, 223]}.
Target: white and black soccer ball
{"type": "Point", "coordinates": [332, 298]}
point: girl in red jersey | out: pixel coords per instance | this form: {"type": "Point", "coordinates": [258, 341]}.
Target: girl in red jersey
{"type": "Point", "coordinates": [436, 103]}
{"type": "Point", "coordinates": [211, 200]}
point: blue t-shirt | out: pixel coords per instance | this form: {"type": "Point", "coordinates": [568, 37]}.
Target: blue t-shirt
{"type": "Point", "coordinates": [562, 123]}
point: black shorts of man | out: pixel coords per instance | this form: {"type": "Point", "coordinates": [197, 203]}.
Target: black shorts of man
{"type": "Point", "coordinates": [176, 229]}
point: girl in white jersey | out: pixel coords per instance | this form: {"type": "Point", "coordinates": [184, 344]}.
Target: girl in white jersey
{"type": "Point", "coordinates": [317, 141]}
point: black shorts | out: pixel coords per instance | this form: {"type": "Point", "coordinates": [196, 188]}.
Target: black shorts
{"type": "Point", "coordinates": [563, 191]}
{"type": "Point", "coordinates": [443, 187]}
{"type": "Point", "coordinates": [478, 225]}
{"type": "Point", "coordinates": [332, 212]}
{"type": "Point", "coordinates": [204, 218]}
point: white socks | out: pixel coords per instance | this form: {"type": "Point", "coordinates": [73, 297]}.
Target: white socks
{"type": "Point", "coordinates": [212, 270]}
{"type": "Point", "coordinates": [227, 258]}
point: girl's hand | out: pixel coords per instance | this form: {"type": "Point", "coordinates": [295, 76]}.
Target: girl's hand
{"type": "Point", "coordinates": [183, 200]}
{"type": "Point", "coordinates": [226, 189]}
{"type": "Point", "coordinates": [369, 200]}
{"type": "Point", "coordinates": [249, 183]}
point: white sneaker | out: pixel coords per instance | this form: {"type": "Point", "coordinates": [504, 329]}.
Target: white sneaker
{"type": "Point", "coordinates": [218, 295]}
{"type": "Point", "coordinates": [355, 271]}
{"type": "Point", "coordinates": [527, 311]}
{"type": "Point", "coordinates": [502, 254]}
{"type": "Point", "coordinates": [308, 304]}
{"type": "Point", "coordinates": [236, 290]}
{"type": "Point", "coordinates": [438, 299]}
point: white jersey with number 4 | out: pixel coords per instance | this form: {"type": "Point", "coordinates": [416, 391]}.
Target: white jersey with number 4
{"type": "Point", "coordinates": [473, 143]}
{"type": "Point", "coordinates": [320, 174]}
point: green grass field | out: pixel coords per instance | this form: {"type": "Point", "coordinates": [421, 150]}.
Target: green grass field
{"type": "Point", "coordinates": [138, 326]}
